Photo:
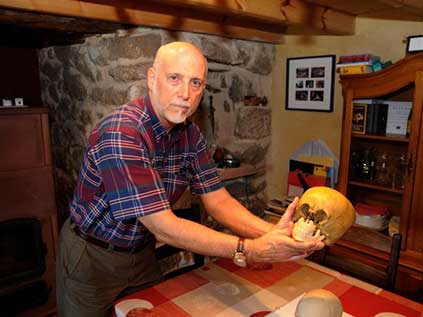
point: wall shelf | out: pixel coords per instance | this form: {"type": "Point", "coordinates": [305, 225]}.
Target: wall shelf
{"type": "Point", "coordinates": [389, 138]}
{"type": "Point", "coordinates": [236, 172]}
{"type": "Point", "coordinates": [377, 187]}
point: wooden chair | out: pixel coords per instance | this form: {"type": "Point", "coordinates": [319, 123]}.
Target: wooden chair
{"type": "Point", "coordinates": [165, 251]}
{"type": "Point", "coordinates": [380, 272]}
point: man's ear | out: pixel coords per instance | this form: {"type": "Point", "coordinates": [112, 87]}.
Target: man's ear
{"type": "Point", "coordinates": [151, 77]}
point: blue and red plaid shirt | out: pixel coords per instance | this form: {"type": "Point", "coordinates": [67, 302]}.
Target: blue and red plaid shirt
{"type": "Point", "coordinates": [132, 167]}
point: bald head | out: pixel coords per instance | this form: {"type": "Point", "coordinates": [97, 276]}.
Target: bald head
{"type": "Point", "coordinates": [173, 50]}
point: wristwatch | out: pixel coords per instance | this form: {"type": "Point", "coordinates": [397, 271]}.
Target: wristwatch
{"type": "Point", "coordinates": [239, 257]}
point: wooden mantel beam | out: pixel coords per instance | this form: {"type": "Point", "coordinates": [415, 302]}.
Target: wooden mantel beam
{"type": "Point", "coordinates": [292, 12]}
{"type": "Point", "coordinates": [146, 13]}
{"type": "Point", "coordinates": [260, 20]}
{"type": "Point", "coordinates": [267, 10]}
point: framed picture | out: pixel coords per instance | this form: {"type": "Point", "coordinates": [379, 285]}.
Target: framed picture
{"type": "Point", "coordinates": [414, 43]}
{"type": "Point", "coordinates": [359, 118]}
{"type": "Point", "coordinates": [309, 83]}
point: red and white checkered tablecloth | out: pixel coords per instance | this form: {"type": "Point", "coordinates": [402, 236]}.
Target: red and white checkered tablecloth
{"type": "Point", "coordinates": [222, 289]}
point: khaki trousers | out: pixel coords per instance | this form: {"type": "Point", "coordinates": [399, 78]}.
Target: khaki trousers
{"type": "Point", "coordinates": [89, 278]}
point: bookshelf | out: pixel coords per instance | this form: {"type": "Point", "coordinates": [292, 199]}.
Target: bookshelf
{"type": "Point", "coordinates": [376, 187]}
{"type": "Point", "coordinates": [386, 138]}
{"type": "Point", "coordinates": [401, 187]}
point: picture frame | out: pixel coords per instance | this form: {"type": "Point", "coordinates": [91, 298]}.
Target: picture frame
{"type": "Point", "coordinates": [414, 44]}
{"type": "Point", "coordinates": [359, 118]}
{"type": "Point", "coordinates": [309, 83]}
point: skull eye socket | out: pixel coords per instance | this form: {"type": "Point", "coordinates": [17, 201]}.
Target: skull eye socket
{"type": "Point", "coordinates": [301, 211]}
{"type": "Point", "coordinates": [319, 216]}
{"type": "Point", "coordinates": [304, 211]}
{"type": "Point", "coordinates": [305, 208]}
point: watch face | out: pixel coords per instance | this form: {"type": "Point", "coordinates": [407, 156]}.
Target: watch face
{"type": "Point", "coordinates": [240, 259]}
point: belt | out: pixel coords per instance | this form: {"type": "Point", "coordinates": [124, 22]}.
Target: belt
{"type": "Point", "coordinates": [107, 245]}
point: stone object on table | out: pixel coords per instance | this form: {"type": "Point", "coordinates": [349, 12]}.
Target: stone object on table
{"type": "Point", "coordinates": [319, 303]}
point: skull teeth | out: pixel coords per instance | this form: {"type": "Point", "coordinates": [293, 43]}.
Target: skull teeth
{"type": "Point", "coordinates": [305, 230]}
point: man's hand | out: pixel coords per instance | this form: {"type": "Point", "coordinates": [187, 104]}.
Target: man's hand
{"type": "Point", "coordinates": [278, 245]}
{"type": "Point", "coordinates": [286, 219]}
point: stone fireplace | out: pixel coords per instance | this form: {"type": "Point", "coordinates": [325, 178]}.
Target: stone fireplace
{"type": "Point", "coordinates": [81, 83]}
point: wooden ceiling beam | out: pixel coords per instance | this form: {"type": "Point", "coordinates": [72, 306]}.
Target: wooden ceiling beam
{"type": "Point", "coordinates": [314, 17]}
{"type": "Point", "coordinates": [292, 12]}
{"type": "Point", "coordinates": [260, 20]}
{"type": "Point", "coordinates": [138, 16]}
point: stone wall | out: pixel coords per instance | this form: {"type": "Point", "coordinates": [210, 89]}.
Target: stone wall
{"type": "Point", "coordinates": [81, 83]}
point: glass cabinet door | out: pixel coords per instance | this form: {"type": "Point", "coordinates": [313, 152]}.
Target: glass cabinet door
{"type": "Point", "coordinates": [379, 158]}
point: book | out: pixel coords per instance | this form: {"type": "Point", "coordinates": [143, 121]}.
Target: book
{"type": "Point", "coordinates": [358, 69]}
{"type": "Point", "coordinates": [369, 112]}
{"type": "Point", "coordinates": [398, 114]}
{"type": "Point", "coordinates": [359, 118]}
{"type": "Point", "coordinates": [380, 118]}
{"type": "Point", "coordinates": [357, 58]}
{"type": "Point", "coordinates": [339, 65]}
{"type": "Point", "coordinates": [377, 66]}
{"type": "Point", "coordinates": [370, 119]}
{"type": "Point", "coordinates": [376, 115]}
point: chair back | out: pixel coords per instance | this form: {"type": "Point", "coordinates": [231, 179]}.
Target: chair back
{"type": "Point", "coordinates": [364, 241]}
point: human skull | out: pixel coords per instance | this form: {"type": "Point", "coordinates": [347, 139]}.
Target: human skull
{"type": "Point", "coordinates": [319, 303]}
{"type": "Point", "coordinates": [322, 214]}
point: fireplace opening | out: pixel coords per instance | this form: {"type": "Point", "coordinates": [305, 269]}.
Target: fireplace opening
{"type": "Point", "coordinates": [22, 264]}
{"type": "Point", "coordinates": [22, 252]}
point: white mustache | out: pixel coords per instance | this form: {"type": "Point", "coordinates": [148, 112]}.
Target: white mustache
{"type": "Point", "coordinates": [181, 104]}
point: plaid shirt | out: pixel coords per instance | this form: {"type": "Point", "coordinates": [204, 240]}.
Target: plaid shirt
{"type": "Point", "coordinates": [132, 167]}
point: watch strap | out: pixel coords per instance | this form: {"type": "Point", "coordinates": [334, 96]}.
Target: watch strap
{"type": "Point", "coordinates": [239, 256]}
{"type": "Point", "coordinates": [240, 247]}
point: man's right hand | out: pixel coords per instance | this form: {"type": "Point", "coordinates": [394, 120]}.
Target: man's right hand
{"type": "Point", "coordinates": [277, 245]}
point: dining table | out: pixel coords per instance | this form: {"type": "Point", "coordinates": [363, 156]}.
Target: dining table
{"type": "Point", "coordinates": [220, 288]}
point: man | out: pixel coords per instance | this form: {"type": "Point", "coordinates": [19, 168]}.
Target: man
{"type": "Point", "coordinates": [139, 160]}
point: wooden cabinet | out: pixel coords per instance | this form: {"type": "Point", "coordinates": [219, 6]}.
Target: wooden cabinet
{"type": "Point", "coordinates": [27, 187]}
{"type": "Point", "coordinates": [403, 192]}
